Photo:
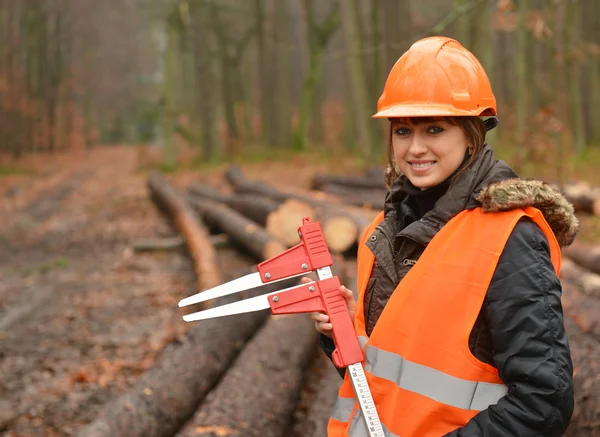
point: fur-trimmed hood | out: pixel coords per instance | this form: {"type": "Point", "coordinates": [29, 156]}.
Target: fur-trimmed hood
{"type": "Point", "coordinates": [494, 186]}
{"type": "Point", "coordinates": [520, 193]}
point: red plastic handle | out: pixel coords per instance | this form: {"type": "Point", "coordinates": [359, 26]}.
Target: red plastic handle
{"type": "Point", "coordinates": [311, 254]}
{"type": "Point", "coordinates": [324, 296]}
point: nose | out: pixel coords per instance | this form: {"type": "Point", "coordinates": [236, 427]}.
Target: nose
{"type": "Point", "coordinates": [417, 145]}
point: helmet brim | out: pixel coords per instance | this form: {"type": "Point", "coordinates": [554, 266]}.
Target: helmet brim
{"type": "Point", "coordinates": [431, 110]}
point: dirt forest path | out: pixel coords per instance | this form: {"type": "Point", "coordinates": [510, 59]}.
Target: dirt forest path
{"type": "Point", "coordinates": [81, 315]}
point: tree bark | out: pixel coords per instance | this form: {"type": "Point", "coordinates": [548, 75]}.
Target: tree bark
{"type": "Point", "coordinates": [320, 392]}
{"type": "Point", "coordinates": [257, 396]}
{"type": "Point", "coordinates": [243, 231]}
{"type": "Point", "coordinates": [581, 308]}
{"type": "Point", "coordinates": [586, 362]}
{"type": "Point", "coordinates": [280, 219]}
{"type": "Point", "coordinates": [192, 230]}
{"type": "Point", "coordinates": [158, 244]}
{"type": "Point", "coordinates": [356, 73]}
{"type": "Point", "coordinates": [585, 255]}
{"type": "Point", "coordinates": [319, 35]}
{"type": "Point", "coordinates": [359, 182]}
{"type": "Point", "coordinates": [583, 197]}
{"type": "Point", "coordinates": [339, 227]}
{"type": "Point", "coordinates": [372, 199]}
{"type": "Point", "coordinates": [169, 393]}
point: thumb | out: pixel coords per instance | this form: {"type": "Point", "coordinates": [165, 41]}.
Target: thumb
{"type": "Point", "coordinates": [348, 297]}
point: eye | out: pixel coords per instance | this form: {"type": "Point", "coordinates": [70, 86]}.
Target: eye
{"type": "Point", "coordinates": [435, 130]}
{"type": "Point", "coordinates": [402, 131]}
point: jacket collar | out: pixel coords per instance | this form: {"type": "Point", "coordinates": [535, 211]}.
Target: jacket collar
{"type": "Point", "coordinates": [494, 186]}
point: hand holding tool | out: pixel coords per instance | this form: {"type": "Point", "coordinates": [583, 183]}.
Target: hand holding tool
{"type": "Point", "coordinates": [323, 295]}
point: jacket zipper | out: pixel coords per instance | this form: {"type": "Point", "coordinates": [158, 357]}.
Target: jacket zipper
{"type": "Point", "coordinates": [394, 254]}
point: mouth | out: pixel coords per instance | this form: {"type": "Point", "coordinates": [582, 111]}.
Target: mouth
{"type": "Point", "coordinates": [421, 165]}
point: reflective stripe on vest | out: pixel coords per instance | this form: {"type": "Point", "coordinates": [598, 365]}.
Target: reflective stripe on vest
{"type": "Point", "coordinates": [424, 380]}
{"type": "Point", "coordinates": [444, 388]}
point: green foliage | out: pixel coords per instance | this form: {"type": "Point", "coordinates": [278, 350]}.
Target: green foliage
{"type": "Point", "coordinates": [60, 262]}
{"type": "Point", "coordinates": [8, 171]}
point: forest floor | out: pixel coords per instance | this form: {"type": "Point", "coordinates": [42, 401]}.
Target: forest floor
{"type": "Point", "coordinates": [81, 315]}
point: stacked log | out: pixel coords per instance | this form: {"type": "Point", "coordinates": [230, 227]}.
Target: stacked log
{"type": "Point", "coordinates": [259, 375]}
{"type": "Point", "coordinates": [339, 226]}
{"type": "Point", "coordinates": [585, 254]}
{"type": "Point", "coordinates": [257, 396]}
{"type": "Point", "coordinates": [279, 218]}
{"type": "Point", "coordinates": [320, 392]}
{"type": "Point", "coordinates": [583, 197]}
{"type": "Point", "coordinates": [372, 181]}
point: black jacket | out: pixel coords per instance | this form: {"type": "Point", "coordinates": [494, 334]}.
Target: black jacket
{"type": "Point", "coordinates": [520, 328]}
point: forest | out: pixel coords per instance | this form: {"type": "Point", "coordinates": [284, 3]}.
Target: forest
{"type": "Point", "coordinates": [153, 149]}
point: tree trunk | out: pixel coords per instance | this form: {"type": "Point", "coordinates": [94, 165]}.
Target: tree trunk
{"type": "Point", "coordinates": [168, 115]}
{"type": "Point", "coordinates": [320, 392]}
{"type": "Point", "coordinates": [585, 255]}
{"type": "Point", "coordinates": [169, 393]}
{"type": "Point", "coordinates": [522, 100]}
{"type": "Point", "coordinates": [339, 227]}
{"type": "Point", "coordinates": [586, 362]}
{"type": "Point", "coordinates": [583, 197]}
{"type": "Point", "coordinates": [573, 73]}
{"type": "Point", "coordinates": [581, 308]}
{"type": "Point", "coordinates": [196, 237]}
{"type": "Point", "coordinates": [372, 199]}
{"type": "Point", "coordinates": [158, 244]}
{"type": "Point", "coordinates": [357, 80]}
{"type": "Point", "coordinates": [256, 398]}
{"type": "Point", "coordinates": [318, 36]}
{"type": "Point", "coordinates": [243, 231]}
{"type": "Point", "coordinates": [280, 219]}
{"type": "Point", "coordinates": [282, 121]}
{"type": "Point", "coordinates": [206, 82]}
{"type": "Point", "coordinates": [366, 182]}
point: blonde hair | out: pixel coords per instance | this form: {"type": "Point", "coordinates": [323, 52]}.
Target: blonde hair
{"type": "Point", "coordinates": [473, 127]}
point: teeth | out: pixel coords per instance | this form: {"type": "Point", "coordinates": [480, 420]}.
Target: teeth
{"type": "Point", "coordinates": [422, 165]}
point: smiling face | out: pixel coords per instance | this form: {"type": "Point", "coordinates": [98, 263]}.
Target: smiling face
{"type": "Point", "coordinates": [428, 151]}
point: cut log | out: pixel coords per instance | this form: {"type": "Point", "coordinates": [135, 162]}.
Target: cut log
{"type": "Point", "coordinates": [240, 229]}
{"type": "Point", "coordinates": [283, 223]}
{"type": "Point", "coordinates": [320, 392]}
{"type": "Point", "coordinates": [585, 352]}
{"type": "Point", "coordinates": [586, 255]}
{"type": "Point", "coordinates": [168, 394]}
{"type": "Point", "coordinates": [196, 237]}
{"type": "Point", "coordinates": [280, 219]}
{"type": "Point", "coordinates": [257, 396]}
{"type": "Point", "coordinates": [339, 227]}
{"type": "Point", "coordinates": [318, 399]}
{"type": "Point", "coordinates": [373, 199]}
{"type": "Point", "coordinates": [361, 216]}
{"type": "Point", "coordinates": [587, 282]}
{"type": "Point", "coordinates": [372, 182]}
{"type": "Point", "coordinates": [583, 197]}
{"type": "Point", "coordinates": [158, 244]}
{"type": "Point", "coordinates": [583, 309]}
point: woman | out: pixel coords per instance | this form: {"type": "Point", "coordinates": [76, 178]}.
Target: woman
{"type": "Point", "coordinates": [458, 296]}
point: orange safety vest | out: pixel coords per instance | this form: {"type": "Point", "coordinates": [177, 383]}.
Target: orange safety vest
{"type": "Point", "coordinates": [424, 380]}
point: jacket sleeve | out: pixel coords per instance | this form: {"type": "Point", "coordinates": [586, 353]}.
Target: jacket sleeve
{"type": "Point", "coordinates": [530, 348]}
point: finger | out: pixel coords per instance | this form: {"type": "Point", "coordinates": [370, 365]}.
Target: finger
{"type": "Point", "coordinates": [346, 294]}
{"type": "Point", "coordinates": [305, 280]}
{"type": "Point", "coordinates": [319, 328]}
{"type": "Point", "coordinates": [326, 327]}
{"type": "Point", "coordinates": [319, 317]}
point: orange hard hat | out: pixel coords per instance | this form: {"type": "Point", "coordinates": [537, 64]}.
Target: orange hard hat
{"type": "Point", "coordinates": [437, 76]}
